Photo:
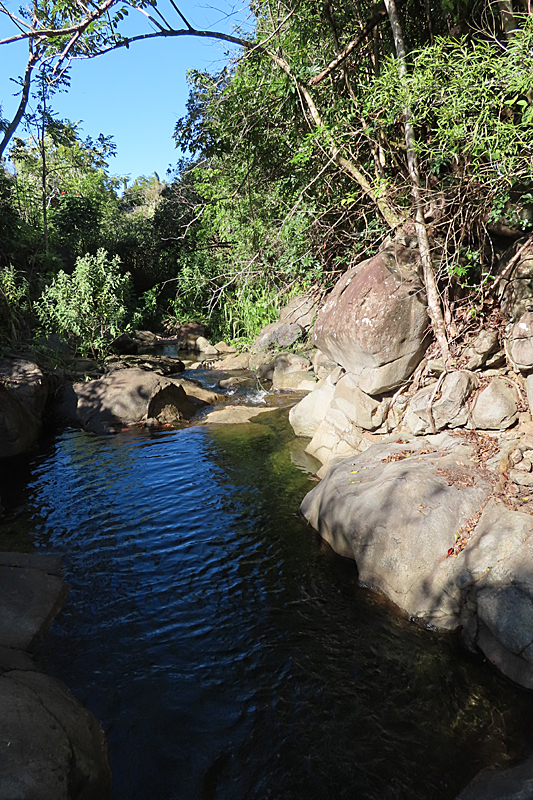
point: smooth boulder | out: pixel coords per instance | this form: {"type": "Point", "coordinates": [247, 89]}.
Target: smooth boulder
{"type": "Point", "coordinates": [496, 407]}
{"type": "Point", "coordinates": [125, 397]}
{"type": "Point", "coordinates": [374, 322]}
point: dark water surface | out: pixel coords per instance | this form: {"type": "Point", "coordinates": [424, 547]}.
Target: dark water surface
{"type": "Point", "coordinates": [227, 653]}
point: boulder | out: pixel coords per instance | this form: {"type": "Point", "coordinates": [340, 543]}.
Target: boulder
{"type": "Point", "coordinates": [234, 415]}
{"type": "Point", "coordinates": [515, 783]}
{"type": "Point", "coordinates": [125, 397]}
{"type": "Point", "coordinates": [301, 309]}
{"type": "Point", "coordinates": [449, 411]}
{"type": "Point", "coordinates": [51, 748]}
{"type": "Point", "coordinates": [237, 361]}
{"type": "Point", "coordinates": [222, 347]}
{"type": "Point", "coordinates": [323, 365]}
{"type": "Point", "coordinates": [147, 338]}
{"type": "Point", "coordinates": [496, 406]}
{"type": "Point", "coordinates": [277, 335]}
{"type": "Point", "coordinates": [263, 365]}
{"type": "Point", "coordinates": [374, 322]}
{"type": "Point", "coordinates": [520, 342]}
{"type": "Point", "coordinates": [516, 291]}
{"type": "Point", "coordinates": [164, 365]}
{"type": "Point", "coordinates": [364, 411]}
{"type": "Point", "coordinates": [296, 381]}
{"type": "Point", "coordinates": [484, 345]}
{"type": "Point", "coordinates": [186, 336]}
{"type": "Point", "coordinates": [395, 509]}
{"type": "Point", "coordinates": [204, 346]}
{"type": "Point", "coordinates": [306, 416]}
{"type": "Point", "coordinates": [336, 437]}
{"type": "Point", "coordinates": [124, 345]}
{"type": "Point", "coordinates": [23, 394]}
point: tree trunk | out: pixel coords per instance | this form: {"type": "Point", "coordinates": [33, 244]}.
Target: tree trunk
{"type": "Point", "coordinates": [430, 282]}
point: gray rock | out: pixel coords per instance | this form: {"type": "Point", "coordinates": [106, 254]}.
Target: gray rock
{"type": "Point", "coordinates": [398, 518]}
{"type": "Point", "coordinates": [336, 437]}
{"type": "Point", "coordinates": [124, 345]}
{"type": "Point", "coordinates": [291, 362]}
{"type": "Point", "coordinates": [234, 362]}
{"type": "Point", "coordinates": [520, 342]}
{"type": "Point", "coordinates": [358, 407]}
{"type": "Point", "coordinates": [277, 335]}
{"type": "Point", "coordinates": [51, 748]}
{"type": "Point", "coordinates": [185, 336]}
{"type": "Point", "coordinates": [448, 411]}
{"type": "Point", "coordinates": [496, 406]}
{"type": "Point", "coordinates": [374, 322]}
{"type": "Point", "coordinates": [204, 346]}
{"type": "Point", "coordinates": [517, 292]}
{"type": "Point", "coordinates": [124, 397]}
{"type": "Point", "coordinates": [222, 347]}
{"type": "Point", "coordinates": [306, 416]}
{"type": "Point", "coordinates": [515, 783]}
{"type": "Point", "coordinates": [164, 365]}
{"type": "Point", "coordinates": [301, 309]}
{"type": "Point", "coordinates": [297, 381]}
{"type": "Point", "coordinates": [23, 394]}
{"type": "Point", "coordinates": [323, 365]}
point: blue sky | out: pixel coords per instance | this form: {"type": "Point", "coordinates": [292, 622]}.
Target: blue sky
{"type": "Point", "coordinates": [135, 95]}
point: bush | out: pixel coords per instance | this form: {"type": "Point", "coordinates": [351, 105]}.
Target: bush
{"type": "Point", "coordinates": [89, 307]}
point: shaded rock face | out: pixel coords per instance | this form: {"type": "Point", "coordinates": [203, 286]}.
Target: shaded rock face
{"type": "Point", "coordinates": [357, 406]}
{"type": "Point", "coordinates": [23, 393]}
{"type": "Point", "coordinates": [186, 336]}
{"type": "Point", "coordinates": [125, 397]}
{"type": "Point", "coordinates": [515, 783]}
{"type": "Point", "coordinates": [517, 292]}
{"type": "Point", "coordinates": [306, 416]}
{"type": "Point", "coordinates": [374, 321]}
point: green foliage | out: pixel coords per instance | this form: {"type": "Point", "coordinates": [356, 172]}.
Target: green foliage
{"type": "Point", "coordinates": [89, 307]}
{"type": "Point", "coordinates": [14, 304]}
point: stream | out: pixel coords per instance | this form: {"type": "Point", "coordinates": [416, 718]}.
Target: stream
{"type": "Point", "coordinates": [228, 653]}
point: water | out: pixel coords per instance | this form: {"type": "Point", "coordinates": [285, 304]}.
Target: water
{"type": "Point", "coordinates": [228, 654]}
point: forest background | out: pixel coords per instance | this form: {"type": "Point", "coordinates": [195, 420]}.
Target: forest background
{"type": "Point", "coordinates": [333, 127]}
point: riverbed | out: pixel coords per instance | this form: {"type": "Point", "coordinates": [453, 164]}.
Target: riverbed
{"type": "Point", "coordinates": [227, 652]}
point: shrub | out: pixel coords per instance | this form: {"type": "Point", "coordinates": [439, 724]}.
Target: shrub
{"type": "Point", "coordinates": [89, 307]}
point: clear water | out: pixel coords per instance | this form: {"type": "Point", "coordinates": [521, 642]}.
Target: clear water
{"type": "Point", "coordinates": [228, 654]}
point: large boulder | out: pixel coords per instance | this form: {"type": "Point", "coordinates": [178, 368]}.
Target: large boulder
{"type": "Point", "coordinates": [306, 416]}
{"type": "Point", "coordinates": [126, 397]}
{"type": "Point", "coordinates": [336, 437]}
{"type": "Point", "coordinates": [360, 408]}
{"type": "Point", "coordinates": [395, 509]}
{"type": "Point", "coordinates": [374, 322]}
{"type": "Point", "coordinates": [23, 393]}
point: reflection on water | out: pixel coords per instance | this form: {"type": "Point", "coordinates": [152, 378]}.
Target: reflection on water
{"type": "Point", "coordinates": [228, 654]}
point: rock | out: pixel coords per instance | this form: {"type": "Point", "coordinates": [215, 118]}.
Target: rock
{"type": "Point", "coordinates": [520, 342]}
{"type": "Point", "coordinates": [263, 365]}
{"type": "Point", "coordinates": [124, 397]}
{"type": "Point", "coordinates": [51, 748]}
{"type": "Point", "coordinates": [147, 338]}
{"type": "Point", "coordinates": [230, 383]}
{"type": "Point", "coordinates": [222, 347]}
{"type": "Point", "coordinates": [234, 415]}
{"type": "Point", "coordinates": [396, 514]}
{"type": "Point", "coordinates": [164, 365]}
{"type": "Point", "coordinates": [323, 365]}
{"type": "Point", "coordinates": [336, 437]}
{"type": "Point", "coordinates": [23, 394]}
{"type": "Point", "coordinates": [448, 411]}
{"type": "Point", "coordinates": [498, 617]}
{"type": "Point", "coordinates": [291, 362]}
{"type": "Point", "coordinates": [515, 783]}
{"type": "Point", "coordinates": [185, 336]}
{"type": "Point", "coordinates": [496, 406]}
{"type": "Point", "coordinates": [124, 345]}
{"type": "Point", "coordinates": [374, 322]}
{"type": "Point", "coordinates": [301, 309]}
{"type": "Point", "coordinates": [204, 346]}
{"type": "Point", "coordinates": [306, 416]}
{"type": "Point", "coordinates": [277, 334]}
{"type": "Point", "coordinates": [517, 292]}
{"type": "Point", "coordinates": [196, 392]}
{"type": "Point", "coordinates": [293, 381]}
{"type": "Point", "coordinates": [231, 362]}
{"type": "Point", "coordinates": [358, 407]}
{"type": "Point", "coordinates": [484, 345]}
{"type": "Point", "coordinates": [520, 477]}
